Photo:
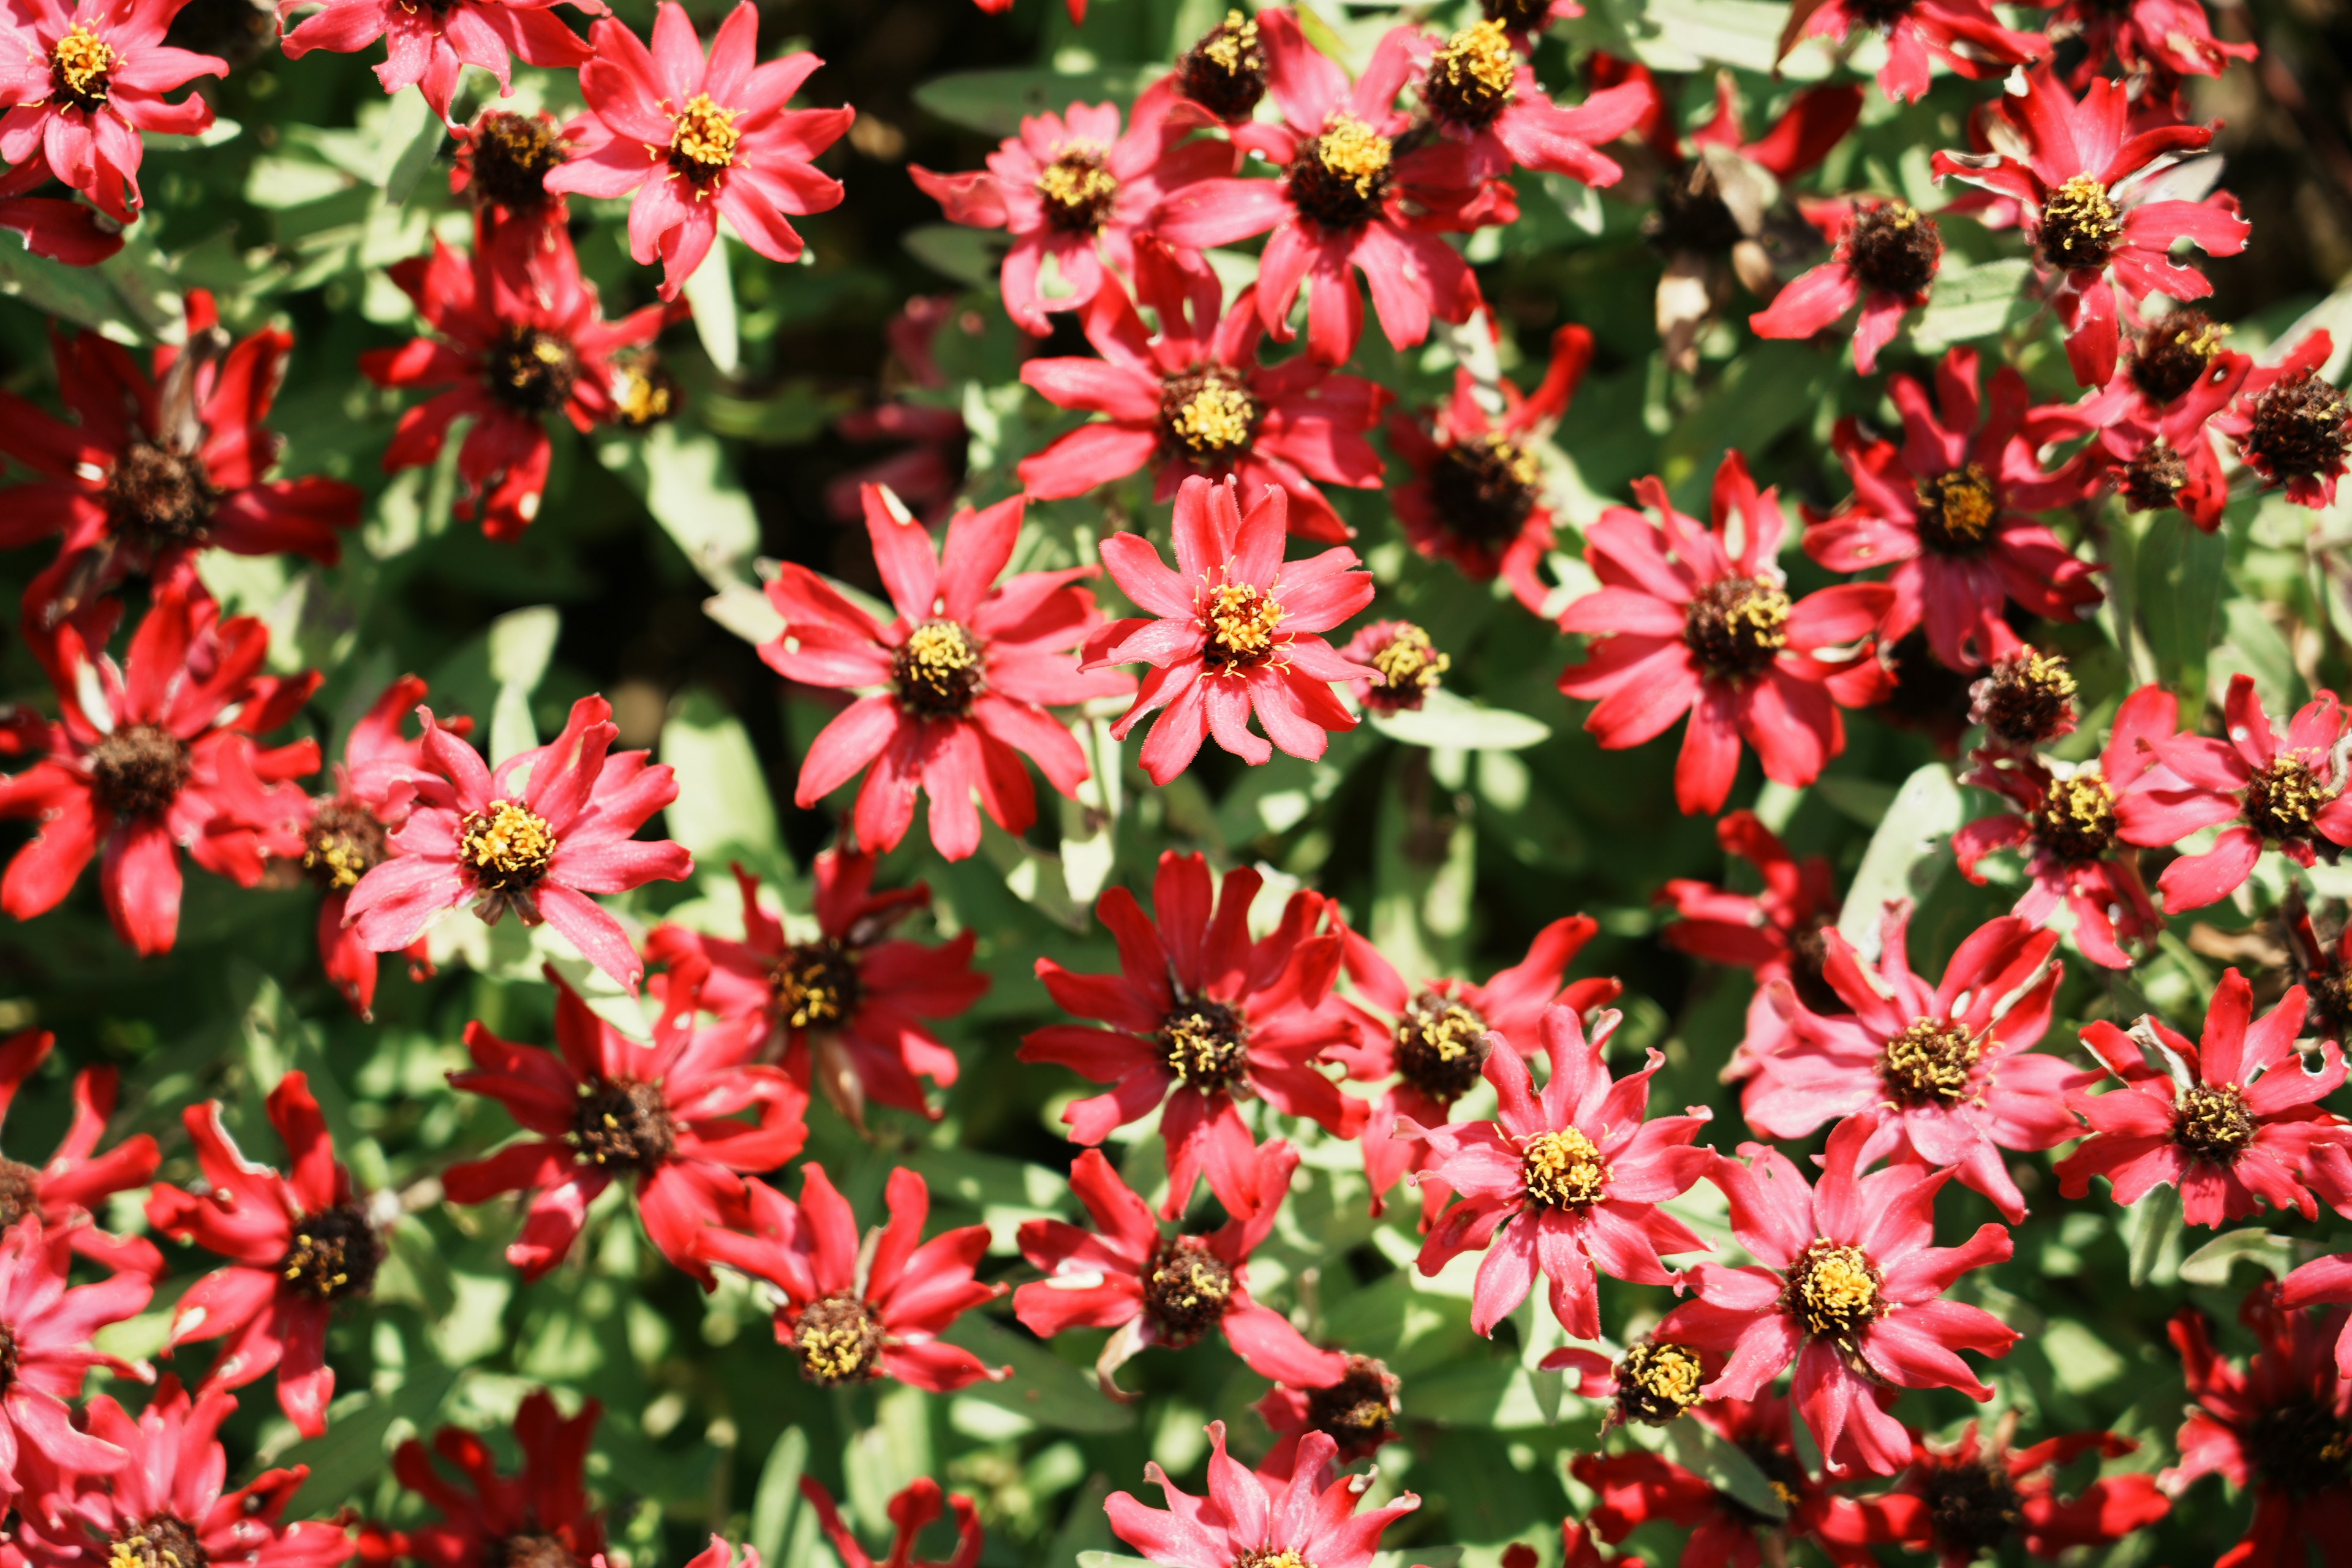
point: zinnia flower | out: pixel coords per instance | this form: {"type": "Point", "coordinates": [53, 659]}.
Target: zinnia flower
{"type": "Point", "coordinates": [540, 1517]}
{"type": "Point", "coordinates": [852, 1313]}
{"type": "Point", "coordinates": [1888, 256]}
{"type": "Point", "coordinates": [430, 48]}
{"type": "Point", "coordinates": [1247, 1519]}
{"type": "Point", "coordinates": [667, 1117]}
{"type": "Point", "coordinates": [166, 761]}
{"type": "Point", "coordinates": [1964, 34]}
{"type": "Point", "coordinates": [846, 1006]}
{"type": "Point", "coordinates": [2157, 417]}
{"type": "Point", "coordinates": [1946, 513]}
{"type": "Point", "coordinates": [1481, 95]}
{"type": "Point", "coordinates": [1688, 628]}
{"type": "Point", "coordinates": [48, 1328]}
{"type": "Point", "coordinates": [1349, 197]}
{"type": "Point", "coordinates": [59, 228]}
{"type": "Point", "coordinates": [1408, 667]}
{"type": "Point", "coordinates": [548, 826]}
{"type": "Point", "coordinates": [2087, 186]}
{"type": "Point", "coordinates": [1071, 187]}
{"type": "Point", "coordinates": [2026, 701]}
{"type": "Point", "coordinates": [69, 1192]}
{"type": "Point", "coordinates": [1978, 1496]}
{"type": "Point", "coordinates": [2291, 425]}
{"type": "Point", "coordinates": [1167, 1291]}
{"type": "Point", "coordinates": [80, 85]}
{"type": "Point", "coordinates": [1230, 633]}
{"type": "Point", "coordinates": [299, 1246]}
{"type": "Point", "coordinates": [1193, 399]}
{"type": "Point", "coordinates": [697, 139]}
{"type": "Point", "coordinates": [967, 671]}
{"type": "Point", "coordinates": [2233, 1122]}
{"type": "Point", "coordinates": [2157, 42]}
{"type": "Point", "coordinates": [1478, 493]}
{"type": "Point", "coordinates": [1201, 1014]}
{"type": "Point", "coordinates": [911, 1511]}
{"type": "Point", "coordinates": [1360, 1413]}
{"type": "Point", "coordinates": [1847, 1284]}
{"type": "Point", "coordinates": [501, 162]}
{"type": "Point", "coordinates": [520, 337]}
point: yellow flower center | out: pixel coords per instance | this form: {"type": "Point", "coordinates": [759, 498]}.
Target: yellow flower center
{"type": "Point", "coordinates": [1931, 1062]}
{"type": "Point", "coordinates": [703, 146]}
{"type": "Point", "coordinates": [1233, 43]}
{"type": "Point", "coordinates": [1355, 152]}
{"type": "Point", "coordinates": [1077, 190]}
{"type": "Point", "coordinates": [2080, 226]}
{"type": "Point", "coordinates": [1563, 1170]}
{"type": "Point", "coordinates": [506, 844]}
{"type": "Point", "coordinates": [2075, 822]}
{"type": "Point", "coordinates": [816, 983]}
{"type": "Point", "coordinates": [1272, 1557]}
{"type": "Point", "coordinates": [1470, 78]}
{"type": "Point", "coordinates": [1835, 1290]}
{"type": "Point", "coordinates": [938, 671]}
{"type": "Point", "coordinates": [1657, 1381]}
{"type": "Point", "coordinates": [1410, 664]}
{"type": "Point", "coordinates": [1209, 414]}
{"type": "Point", "coordinates": [81, 64]}
{"type": "Point", "coordinates": [1241, 622]}
{"type": "Point", "coordinates": [1957, 510]}
{"type": "Point", "coordinates": [839, 1339]}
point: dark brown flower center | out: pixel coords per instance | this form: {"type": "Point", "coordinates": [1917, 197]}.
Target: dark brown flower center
{"type": "Point", "coordinates": [159, 1541]}
{"type": "Point", "coordinates": [1563, 1170]}
{"type": "Point", "coordinates": [1484, 488]}
{"type": "Point", "coordinates": [1360, 1411]}
{"type": "Point", "coordinates": [2299, 428]}
{"type": "Point", "coordinates": [1339, 179]}
{"type": "Point", "coordinates": [20, 1192]}
{"type": "Point", "coordinates": [1441, 1046]}
{"type": "Point", "coordinates": [839, 1339]}
{"type": "Point", "coordinates": [1078, 191]}
{"type": "Point", "coordinates": [1833, 1290]}
{"type": "Point", "coordinates": [1273, 1557]}
{"type": "Point", "coordinates": [1206, 1044]}
{"type": "Point", "coordinates": [703, 138]}
{"type": "Point", "coordinates": [1470, 80]}
{"type": "Point", "coordinates": [512, 156]}
{"type": "Point", "coordinates": [1880, 14]}
{"type": "Point", "coordinates": [1972, 1508]}
{"type": "Point", "coordinates": [1737, 626]}
{"type": "Point", "coordinates": [2153, 479]}
{"type": "Point", "coordinates": [155, 495]}
{"type": "Point", "coordinates": [506, 845]}
{"type": "Point", "coordinates": [530, 1550]}
{"type": "Point", "coordinates": [529, 370]}
{"type": "Point", "coordinates": [1519, 16]}
{"type": "Point", "coordinates": [2171, 357]}
{"type": "Point", "coordinates": [1691, 214]}
{"type": "Point", "coordinates": [1186, 1289]}
{"type": "Point", "coordinates": [1931, 1062]}
{"type": "Point", "coordinates": [335, 1254]}
{"type": "Point", "coordinates": [344, 842]}
{"type": "Point", "coordinates": [2283, 799]}
{"type": "Point", "coordinates": [2080, 226]}
{"type": "Point", "coordinates": [938, 670]}
{"type": "Point", "coordinates": [817, 984]}
{"type": "Point", "coordinates": [2300, 1448]}
{"type": "Point", "coordinates": [2027, 700]}
{"type": "Point", "coordinates": [2076, 823]}
{"type": "Point", "coordinates": [1409, 668]}
{"type": "Point", "coordinates": [1809, 956]}
{"type": "Point", "coordinates": [1208, 413]}
{"type": "Point", "coordinates": [1957, 512]}
{"type": "Point", "coordinates": [1895, 249]}
{"type": "Point", "coordinates": [2212, 1123]}
{"type": "Point", "coordinates": [645, 393]}
{"type": "Point", "coordinates": [623, 1125]}
{"type": "Point", "coordinates": [1241, 621]}
{"type": "Point", "coordinates": [2329, 992]}
{"type": "Point", "coordinates": [138, 771]}
{"type": "Point", "coordinates": [1225, 73]}
{"type": "Point", "coordinates": [1657, 1381]}
{"type": "Point", "coordinates": [81, 69]}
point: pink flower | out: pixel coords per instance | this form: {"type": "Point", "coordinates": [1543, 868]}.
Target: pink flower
{"type": "Point", "coordinates": [547, 1502]}
{"type": "Point", "coordinates": [1563, 1181]}
{"type": "Point", "coordinates": [2288, 793]}
{"type": "Point", "coordinates": [1964, 34]}
{"type": "Point", "coordinates": [69, 1192]}
{"type": "Point", "coordinates": [1407, 665]}
{"type": "Point", "coordinates": [665, 1117]}
{"type": "Point", "coordinates": [80, 85]}
{"type": "Point", "coordinates": [1229, 633]}
{"type": "Point", "coordinates": [1200, 1015]}
{"type": "Point", "coordinates": [48, 1327]}
{"type": "Point", "coordinates": [1847, 1284]}
{"type": "Point", "coordinates": [1247, 1519]}
{"type": "Point", "coordinates": [430, 47]}
{"type": "Point", "coordinates": [1360, 1413]}
{"type": "Point", "coordinates": [2234, 1121]}
{"type": "Point", "coordinates": [1688, 628]}
{"type": "Point", "coordinates": [1195, 400]}
{"type": "Point", "coordinates": [1167, 1291]}
{"type": "Point", "coordinates": [1070, 187]}
{"type": "Point", "coordinates": [967, 671]}
{"type": "Point", "coordinates": [1350, 198]}
{"type": "Point", "coordinates": [1942, 1076]}
{"type": "Point", "coordinates": [1888, 256]}
{"type": "Point", "coordinates": [697, 139]}
{"type": "Point", "coordinates": [1946, 511]}
{"type": "Point", "coordinates": [2087, 190]}
{"type": "Point", "coordinates": [2291, 425]}
{"type": "Point", "coordinates": [854, 1312]}
{"type": "Point", "coordinates": [911, 1511]}
{"type": "Point", "coordinates": [1481, 96]}
{"type": "Point", "coordinates": [1778, 934]}
{"type": "Point", "coordinates": [298, 1246]}
{"type": "Point", "coordinates": [2324, 1282]}
{"type": "Point", "coordinates": [548, 826]}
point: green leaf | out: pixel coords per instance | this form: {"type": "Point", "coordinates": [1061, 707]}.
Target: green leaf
{"type": "Point", "coordinates": [1446, 719]}
{"type": "Point", "coordinates": [1704, 1452]}
{"type": "Point", "coordinates": [520, 644]}
{"type": "Point", "coordinates": [2212, 1263]}
{"type": "Point", "coordinates": [997, 101]}
{"type": "Point", "coordinates": [1907, 855]}
{"type": "Point", "coordinates": [1970, 302]}
{"type": "Point", "coordinates": [77, 294]}
{"type": "Point", "coordinates": [2154, 1220]}
{"type": "Point", "coordinates": [1044, 1388]}
{"type": "Point", "coordinates": [412, 135]}
{"type": "Point", "coordinates": [723, 806]}
{"type": "Point", "coordinates": [693, 493]}
{"type": "Point", "coordinates": [777, 1495]}
{"type": "Point", "coordinates": [2182, 571]}
{"type": "Point", "coordinates": [966, 255]}
{"type": "Point", "coordinates": [711, 291]}
{"type": "Point", "coordinates": [351, 1454]}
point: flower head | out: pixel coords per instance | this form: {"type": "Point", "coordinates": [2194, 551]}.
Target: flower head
{"type": "Point", "coordinates": [912, 1510]}
{"type": "Point", "coordinates": [46, 1327]}
{"type": "Point", "coordinates": [540, 1518]}
{"type": "Point", "coordinates": [80, 85]}
{"type": "Point", "coordinates": [1778, 934]}
{"type": "Point", "coordinates": [1410, 667]}
{"type": "Point", "coordinates": [428, 47]}
{"type": "Point", "coordinates": [1481, 95]}
{"type": "Point", "coordinates": [1979, 1495]}
{"type": "Point", "coordinates": [67, 1194]}
{"type": "Point", "coordinates": [2156, 43]}
{"type": "Point", "coordinates": [2292, 425]}
{"type": "Point", "coordinates": [1360, 1413]}
{"type": "Point", "coordinates": [1223, 73]}
{"type": "Point", "coordinates": [2026, 701]}
{"type": "Point", "coordinates": [1888, 256]}
{"type": "Point", "coordinates": [2158, 419]}
{"type": "Point", "coordinates": [503, 162]}
{"type": "Point", "coordinates": [1248, 1520]}
{"type": "Point", "coordinates": [1964, 34]}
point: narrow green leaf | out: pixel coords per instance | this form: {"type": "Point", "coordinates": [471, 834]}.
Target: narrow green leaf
{"type": "Point", "coordinates": [711, 291]}
{"type": "Point", "coordinates": [2154, 1220]}
{"type": "Point", "coordinates": [1447, 719]}
{"type": "Point", "coordinates": [2212, 1263]}
{"type": "Point", "coordinates": [1705, 1453]}
{"type": "Point", "coordinates": [779, 1494]}
{"type": "Point", "coordinates": [723, 806]}
{"type": "Point", "coordinates": [1907, 855]}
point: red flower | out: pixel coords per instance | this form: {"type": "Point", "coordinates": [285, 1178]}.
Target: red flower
{"type": "Point", "coordinates": [1229, 633]}
{"type": "Point", "coordinates": [61, 229]}
{"type": "Point", "coordinates": [1577, 1167]}
{"type": "Point", "coordinates": [667, 1117]}
{"type": "Point", "coordinates": [168, 1496]}
{"type": "Point", "coordinates": [1198, 1015]}
{"type": "Point", "coordinates": [1964, 34]}
{"type": "Point", "coordinates": [1433, 1040]}
{"type": "Point", "coordinates": [1946, 513]}
{"type": "Point", "coordinates": [697, 139]}
{"type": "Point", "coordinates": [1247, 1519]}
{"type": "Point", "coordinates": [967, 669]}
{"type": "Point", "coordinates": [80, 85]}
{"type": "Point", "coordinates": [299, 1246]}
{"type": "Point", "coordinates": [1976, 1496]}
{"type": "Point", "coordinates": [2292, 428]}
{"type": "Point", "coordinates": [430, 48]}
{"type": "Point", "coordinates": [1847, 1284]}
{"type": "Point", "coordinates": [853, 1314]}
{"type": "Point", "coordinates": [501, 162]}
{"type": "Point", "coordinates": [2156, 417]}
{"type": "Point", "coordinates": [1169, 1290]}
{"type": "Point", "coordinates": [1195, 400]}
{"type": "Point", "coordinates": [1359, 1413]}
{"type": "Point", "coordinates": [522, 337]}
{"type": "Point", "coordinates": [2323, 969]}
{"type": "Point", "coordinates": [1778, 934]}
{"type": "Point", "coordinates": [157, 768]}
{"type": "Point", "coordinates": [1478, 493]}
{"type": "Point", "coordinates": [1349, 197]}
{"type": "Point", "coordinates": [1943, 1077]}
{"type": "Point", "coordinates": [478, 837]}
{"type": "Point", "coordinates": [1070, 187]}
{"type": "Point", "coordinates": [157, 469]}
{"type": "Point", "coordinates": [2287, 792]}
{"type": "Point", "coordinates": [1888, 256]}
{"type": "Point", "coordinates": [911, 1511]}
{"type": "Point", "coordinates": [2233, 1122]}
{"type": "Point", "coordinates": [2156, 41]}
{"type": "Point", "coordinates": [2324, 1282]}
{"type": "Point", "coordinates": [2278, 1428]}
{"type": "Point", "coordinates": [1479, 94]}
{"type": "Point", "coordinates": [1689, 628]}
{"type": "Point", "coordinates": [541, 1516]}
{"type": "Point", "coordinates": [2090, 211]}
{"type": "Point", "coordinates": [69, 1192]}
{"type": "Point", "coordinates": [2075, 831]}
{"type": "Point", "coordinates": [48, 1328]}
{"type": "Point", "coordinates": [846, 1006]}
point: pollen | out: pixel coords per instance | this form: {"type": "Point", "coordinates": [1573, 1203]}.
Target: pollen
{"type": "Point", "coordinates": [81, 64]}
{"type": "Point", "coordinates": [2075, 822]}
{"type": "Point", "coordinates": [1186, 1289]}
{"type": "Point", "coordinates": [1205, 1045]}
{"type": "Point", "coordinates": [2213, 1122]}
{"type": "Point", "coordinates": [1077, 190]}
{"type": "Point", "coordinates": [1737, 626]}
{"type": "Point", "coordinates": [1241, 621]}
{"type": "Point", "coordinates": [2028, 699]}
{"type": "Point", "coordinates": [1657, 1381]}
{"type": "Point", "coordinates": [1563, 1170]}
{"type": "Point", "coordinates": [816, 983]}
{"type": "Point", "coordinates": [1835, 1290]}
{"type": "Point", "coordinates": [1470, 80]}
{"type": "Point", "coordinates": [839, 1339]}
{"type": "Point", "coordinates": [643, 391]}
{"type": "Point", "coordinates": [1411, 666]}
{"type": "Point", "coordinates": [703, 146]}
{"type": "Point", "coordinates": [2284, 801]}
{"type": "Point", "coordinates": [1351, 150]}
{"type": "Point", "coordinates": [344, 842]}
{"type": "Point", "coordinates": [1209, 414]}
{"type": "Point", "coordinates": [1272, 1557]}
{"type": "Point", "coordinates": [506, 844]}
{"type": "Point", "coordinates": [1225, 73]}
{"type": "Point", "coordinates": [1957, 510]}
{"type": "Point", "coordinates": [2080, 226]}
{"type": "Point", "coordinates": [1932, 1062]}
{"type": "Point", "coordinates": [938, 671]}
{"type": "Point", "coordinates": [1230, 44]}
{"type": "Point", "coordinates": [1441, 1046]}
